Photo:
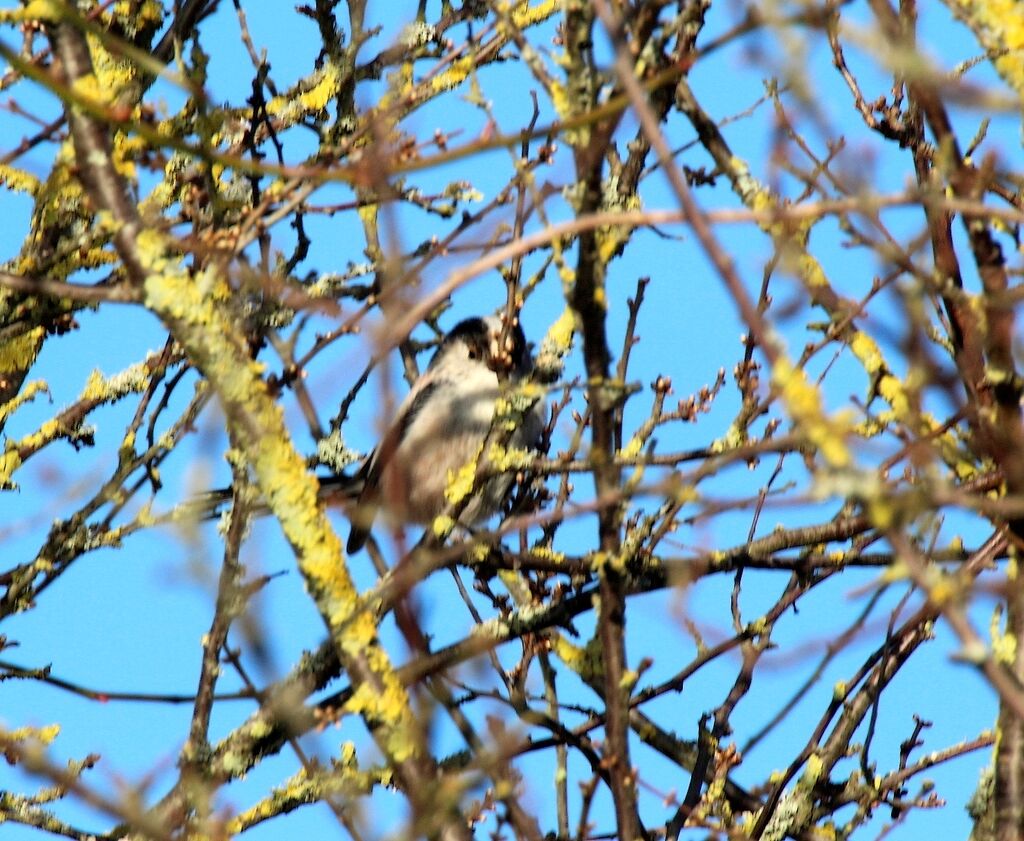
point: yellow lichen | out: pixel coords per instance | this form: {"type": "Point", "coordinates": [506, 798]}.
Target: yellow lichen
{"type": "Point", "coordinates": [524, 15]}
{"type": "Point", "coordinates": [442, 526]}
{"type": "Point", "coordinates": [314, 95]}
{"type": "Point", "coordinates": [1004, 648]}
{"type": "Point", "coordinates": [454, 76]}
{"type": "Point", "coordinates": [562, 104]}
{"type": "Point", "coordinates": [149, 12]}
{"type": "Point", "coordinates": [10, 461]}
{"type": "Point", "coordinates": [556, 345]}
{"type": "Point", "coordinates": [18, 180]}
{"type": "Point", "coordinates": [44, 735]}
{"type": "Point", "coordinates": [44, 11]}
{"type": "Point", "coordinates": [813, 771]}
{"type": "Point", "coordinates": [133, 379]}
{"type": "Point", "coordinates": [256, 421]}
{"type": "Point", "coordinates": [561, 332]}
{"type": "Point", "coordinates": [18, 353]}
{"type": "Point", "coordinates": [114, 74]}
{"type": "Point", "coordinates": [942, 589]}
{"type": "Point", "coordinates": [633, 448]}
{"type": "Point", "coordinates": [628, 680]}
{"type": "Point", "coordinates": [548, 554]}
{"type": "Point", "coordinates": [508, 459]}
{"type": "Point", "coordinates": [586, 661]}
{"type": "Point", "coordinates": [803, 404]}
{"type": "Point", "coordinates": [811, 272]}
{"type": "Point", "coordinates": [460, 482]}
{"type": "Point", "coordinates": [999, 27]}
{"type": "Point", "coordinates": [27, 394]}
{"type": "Point", "coordinates": [870, 356]}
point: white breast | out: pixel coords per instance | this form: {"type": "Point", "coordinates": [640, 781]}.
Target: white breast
{"type": "Point", "coordinates": [438, 442]}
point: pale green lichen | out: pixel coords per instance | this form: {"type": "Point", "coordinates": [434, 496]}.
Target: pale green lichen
{"type": "Point", "coordinates": [758, 626]}
{"type": "Point", "coordinates": [516, 402]}
{"type": "Point", "coordinates": [133, 379]}
{"type": "Point", "coordinates": [101, 539]}
{"type": "Point", "coordinates": [555, 346]}
{"type": "Point", "coordinates": [463, 192]}
{"type": "Point", "coordinates": [343, 779]}
{"type": "Point", "coordinates": [732, 439]}
{"type": "Point", "coordinates": [16, 451]}
{"type": "Point", "coordinates": [417, 34]}
{"type": "Point", "coordinates": [332, 452]}
{"type": "Point", "coordinates": [491, 629]}
{"type": "Point", "coordinates": [610, 238]}
{"type": "Point", "coordinates": [192, 308]}
{"type": "Point", "coordinates": [178, 174]}
{"type": "Point", "coordinates": [790, 814]}
{"type": "Point", "coordinates": [509, 459]}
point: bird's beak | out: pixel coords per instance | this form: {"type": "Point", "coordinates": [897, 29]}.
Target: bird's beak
{"type": "Point", "coordinates": [497, 364]}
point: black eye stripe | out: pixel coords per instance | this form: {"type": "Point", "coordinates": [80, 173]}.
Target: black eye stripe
{"type": "Point", "coordinates": [471, 329]}
{"type": "Point", "coordinates": [475, 333]}
{"type": "Point", "coordinates": [518, 343]}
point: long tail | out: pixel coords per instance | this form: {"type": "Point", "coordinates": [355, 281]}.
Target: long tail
{"type": "Point", "coordinates": [334, 490]}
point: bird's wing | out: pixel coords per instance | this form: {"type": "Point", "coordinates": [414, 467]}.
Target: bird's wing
{"type": "Point", "coordinates": [368, 503]}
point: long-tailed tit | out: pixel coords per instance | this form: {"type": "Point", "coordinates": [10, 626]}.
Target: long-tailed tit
{"type": "Point", "coordinates": [440, 426]}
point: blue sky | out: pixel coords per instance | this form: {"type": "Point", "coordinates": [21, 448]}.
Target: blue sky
{"type": "Point", "coordinates": [133, 618]}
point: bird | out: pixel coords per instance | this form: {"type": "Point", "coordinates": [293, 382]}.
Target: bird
{"type": "Point", "coordinates": [440, 426]}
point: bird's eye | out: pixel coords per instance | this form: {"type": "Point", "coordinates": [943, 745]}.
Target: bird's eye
{"type": "Point", "coordinates": [473, 354]}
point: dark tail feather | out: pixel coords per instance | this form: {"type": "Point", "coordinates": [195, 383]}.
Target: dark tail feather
{"type": "Point", "coordinates": [362, 516]}
{"type": "Point", "coordinates": [334, 490]}
{"type": "Point", "coordinates": [356, 539]}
